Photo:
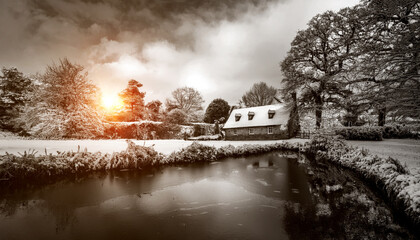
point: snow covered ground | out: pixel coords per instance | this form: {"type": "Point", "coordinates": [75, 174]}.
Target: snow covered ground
{"type": "Point", "coordinates": [405, 150]}
{"type": "Point", "coordinates": [108, 146]}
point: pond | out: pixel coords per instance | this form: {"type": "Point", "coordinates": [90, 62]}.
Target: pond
{"type": "Point", "coordinates": [270, 196]}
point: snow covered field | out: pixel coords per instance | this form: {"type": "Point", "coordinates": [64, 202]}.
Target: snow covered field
{"type": "Point", "coordinates": [108, 146]}
{"type": "Point", "coordinates": [405, 150]}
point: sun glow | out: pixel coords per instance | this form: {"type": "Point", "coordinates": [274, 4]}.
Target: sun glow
{"type": "Point", "coordinates": [111, 102]}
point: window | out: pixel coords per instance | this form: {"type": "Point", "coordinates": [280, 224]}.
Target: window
{"type": "Point", "coordinates": [237, 117]}
{"type": "Point", "coordinates": [251, 131]}
{"type": "Point", "coordinates": [271, 114]}
{"type": "Point", "coordinates": [270, 130]}
{"type": "Point", "coordinates": [251, 115]}
{"type": "Point", "coordinates": [235, 131]}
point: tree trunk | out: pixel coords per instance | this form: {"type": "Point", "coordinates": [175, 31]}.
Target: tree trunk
{"type": "Point", "coordinates": [318, 111]}
{"type": "Point", "coordinates": [381, 116]}
{"type": "Point", "coordinates": [318, 117]}
{"type": "Point", "coordinates": [293, 125]}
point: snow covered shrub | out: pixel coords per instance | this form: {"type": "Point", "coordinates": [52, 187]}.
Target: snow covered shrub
{"type": "Point", "coordinates": [194, 153]}
{"type": "Point", "coordinates": [360, 133]}
{"type": "Point", "coordinates": [197, 152]}
{"type": "Point", "coordinates": [327, 144]}
{"type": "Point", "coordinates": [143, 156]}
{"type": "Point", "coordinates": [134, 157]}
{"type": "Point", "coordinates": [177, 116]}
{"type": "Point", "coordinates": [49, 124]}
{"type": "Point", "coordinates": [249, 149]}
{"type": "Point", "coordinates": [226, 151]}
{"type": "Point", "coordinates": [28, 165]}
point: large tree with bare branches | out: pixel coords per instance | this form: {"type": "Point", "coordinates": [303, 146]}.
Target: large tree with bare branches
{"type": "Point", "coordinates": [389, 63]}
{"type": "Point", "coordinates": [260, 94]}
{"type": "Point", "coordinates": [65, 105]}
{"type": "Point", "coordinates": [186, 99]}
{"type": "Point", "coordinates": [319, 56]}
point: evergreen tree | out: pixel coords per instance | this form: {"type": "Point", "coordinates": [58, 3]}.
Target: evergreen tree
{"type": "Point", "coordinates": [133, 99]}
{"type": "Point", "coordinates": [216, 110]}
{"type": "Point", "coordinates": [14, 94]}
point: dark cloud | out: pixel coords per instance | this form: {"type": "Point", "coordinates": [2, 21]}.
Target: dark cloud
{"type": "Point", "coordinates": [220, 47]}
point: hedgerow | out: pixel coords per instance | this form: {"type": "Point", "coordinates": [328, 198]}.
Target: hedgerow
{"type": "Point", "coordinates": [142, 130]}
{"type": "Point", "coordinates": [360, 133]}
{"type": "Point", "coordinates": [399, 131]}
{"type": "Point", "coordinates": [377, 133]}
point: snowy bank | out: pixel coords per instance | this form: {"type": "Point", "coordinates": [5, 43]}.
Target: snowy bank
{"type": "Point", "coordinates": [30, 165]}
{"type": "Point", "coordinates": [165, 146]}
{"type": "Point", "coordinates": [401, 187]}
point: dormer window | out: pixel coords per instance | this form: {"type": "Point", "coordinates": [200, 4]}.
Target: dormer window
{"type": "Point", "coordinates": [251, 115]}
{"type": "Point", "coordinates": [237, 117]}
{"type": "Point", "coordinates": [271, 114]}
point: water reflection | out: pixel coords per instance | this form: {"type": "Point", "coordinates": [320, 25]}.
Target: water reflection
{"type": "Point", "coordinates": [241, 198]}
{"type": "Point", "coordinates": [342, 208]}
{"type": "Point", "coordinates": [258, 197]}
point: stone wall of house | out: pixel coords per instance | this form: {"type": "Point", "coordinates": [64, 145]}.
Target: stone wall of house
{"type": "Point", "coordinates": [259, 133]}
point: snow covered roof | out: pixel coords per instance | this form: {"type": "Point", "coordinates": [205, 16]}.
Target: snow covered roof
{"type": "Point", "coordinates": [260, 117]}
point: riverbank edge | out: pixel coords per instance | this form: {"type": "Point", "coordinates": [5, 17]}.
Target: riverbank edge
{"type": "Point", "coordinates": [388, 176]}
{"type": "Point", "coordinates": [30, 165]}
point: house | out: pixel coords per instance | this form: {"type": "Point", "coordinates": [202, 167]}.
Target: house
{"type": "Point", "coordinates": [258, 123]}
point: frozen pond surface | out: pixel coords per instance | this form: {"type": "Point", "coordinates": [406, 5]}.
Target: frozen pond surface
{"type": "Point", "coordinates": [238, 198]}
{"type": "Point", "coordinates": [258, 197]}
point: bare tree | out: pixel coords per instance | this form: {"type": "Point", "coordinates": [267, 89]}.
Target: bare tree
{"type": "Point", "coordinates": [187, 99]}
{"type": "Point", "coordinates": [260, 94]}
{"type": "Point", "coordinates": [390, 57]}
{"type": "Point", "coordinates": [65, 105]}
{"type": "Point", "coordinates": [319, 56]}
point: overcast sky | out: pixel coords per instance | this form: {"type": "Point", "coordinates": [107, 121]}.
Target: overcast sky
{"type": "Point", "coordinates": [219, 47]}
